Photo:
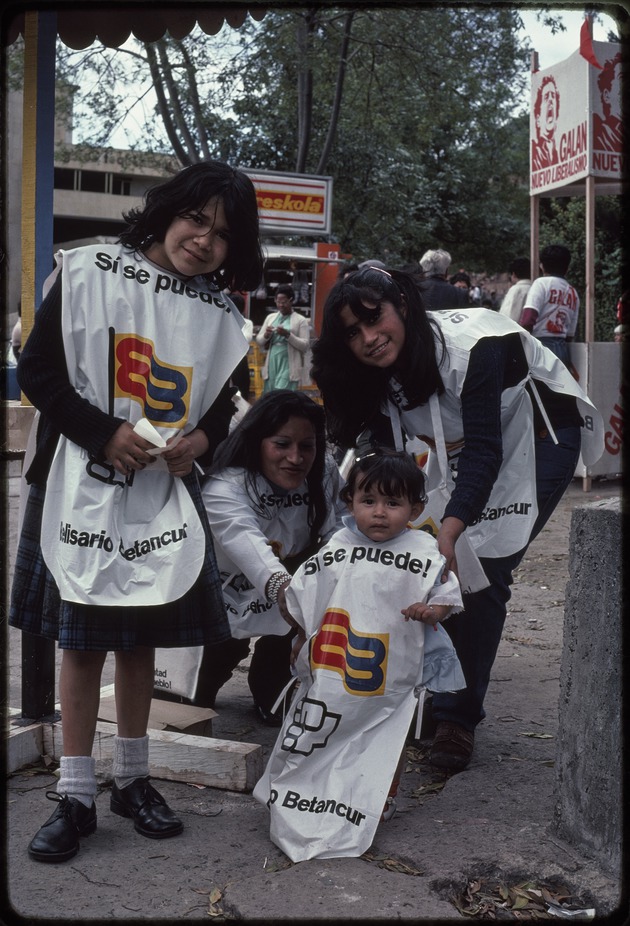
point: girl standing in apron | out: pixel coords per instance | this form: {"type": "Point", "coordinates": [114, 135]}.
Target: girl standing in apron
{"type": "Point", "coordinates": [127, 365]}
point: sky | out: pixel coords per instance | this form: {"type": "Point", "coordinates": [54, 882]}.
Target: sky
{"type": "Point", "coordinates": [554, 48]}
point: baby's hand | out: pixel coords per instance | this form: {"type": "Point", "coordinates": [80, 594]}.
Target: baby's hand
{"type": "Point", "coordinates": [421, 612]}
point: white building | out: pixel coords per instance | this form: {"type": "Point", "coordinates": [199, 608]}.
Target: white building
{"type": "Point", "coordinates": [92, 190]}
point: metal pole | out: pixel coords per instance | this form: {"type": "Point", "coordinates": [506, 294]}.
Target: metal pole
{"type": "Point", "coordinates": [534, 203]}
{"type": "Point", "coordinates": [38, 676]}
{"type": "Point", "coordinates": [40, 33]}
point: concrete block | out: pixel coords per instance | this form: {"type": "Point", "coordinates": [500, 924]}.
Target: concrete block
{"type": "Point", "coordinates": [588, 786]}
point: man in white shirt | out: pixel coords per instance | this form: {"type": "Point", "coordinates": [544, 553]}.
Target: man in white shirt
{"type": "Point", "coordinates": [552, 304]}
{"type": "Point", "coordinates": [520, 277]}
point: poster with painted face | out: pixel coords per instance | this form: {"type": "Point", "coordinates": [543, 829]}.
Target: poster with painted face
{"type": "Point", "coordinates": [575, 120]}
{"type": "Point", "coordinates": [607, 130]}
{"type": "Point", "coordinates": [558, 125]}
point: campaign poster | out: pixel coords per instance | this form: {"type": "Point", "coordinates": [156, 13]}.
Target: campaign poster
{"type": "Point", "coordinates": [559, 124]}
{"type": "Point", "coordinates": [605, 94]}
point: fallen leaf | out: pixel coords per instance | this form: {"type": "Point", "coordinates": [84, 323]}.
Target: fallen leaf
{"type": "Point", "coordinates": [527, 900]}
{"type": "Point", "coordinates": [276, 865]}
{"type": "Point", "coordinates": [391, 864]}
{"type": "Point", "coordinates": [429, 787]}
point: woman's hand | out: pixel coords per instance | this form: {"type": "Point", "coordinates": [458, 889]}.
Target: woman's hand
{"type": "Point", "coordinates": [126, 451]}
{"type": "Point", "coordinates": [448, 534]}
{"type": "Point", "coordinates": [181, 458]}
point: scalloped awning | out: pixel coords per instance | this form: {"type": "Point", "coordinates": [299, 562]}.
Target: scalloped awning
{"type": "Point", "coordinates": [114, 24]}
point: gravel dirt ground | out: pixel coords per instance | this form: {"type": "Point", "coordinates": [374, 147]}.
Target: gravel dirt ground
{"type": "Point", "coordinates": [466, 846]}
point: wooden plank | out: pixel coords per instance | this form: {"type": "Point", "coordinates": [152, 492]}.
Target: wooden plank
{"type": "Point", "coordinates": [205, 760]}
{"type": "Point", "coordinates": [176, 757]}
{"type": "Point", "coordinates": [24, 746]}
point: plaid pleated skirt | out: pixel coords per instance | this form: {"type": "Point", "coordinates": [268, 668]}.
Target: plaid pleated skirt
{"type": "Point", "coordinates": [197, 618]}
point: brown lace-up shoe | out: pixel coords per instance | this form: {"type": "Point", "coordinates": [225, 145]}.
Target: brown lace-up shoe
{"type": "Point", "coordinates": [452, 746]}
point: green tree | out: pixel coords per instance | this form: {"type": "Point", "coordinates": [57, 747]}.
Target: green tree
{"type": "Point", "coordinates": [409, 109]}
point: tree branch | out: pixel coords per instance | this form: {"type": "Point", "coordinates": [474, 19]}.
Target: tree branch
{"type": "Point", "coordinates": [334, 115]}
{"type": "Point", "coordinates": [305, 27]}
{"type": "Point", "coordinates": [191, 75]}
{"type": "Point", "coordinates": [173, 92]}
{"type": "Point", "coordinates": [163, 107]}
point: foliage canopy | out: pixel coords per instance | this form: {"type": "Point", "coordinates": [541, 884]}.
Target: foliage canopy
{"type": "Point", "coordinates": [413, 111]}
{"type": "Point", "coordinates": [410, 110]}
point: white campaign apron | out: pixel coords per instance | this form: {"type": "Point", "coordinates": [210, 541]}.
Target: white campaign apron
{"type": "Point", "coordinates": [331, 768]}
{"type": "Point", "coordinates": [255, 527]}
{"type": "Point", "coordinates": [143, 345]}
{"type": "Point", "coordinates": [512, 502]}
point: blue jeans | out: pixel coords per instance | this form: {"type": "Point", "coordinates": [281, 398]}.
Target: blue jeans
{"type": "Point", "coordinates": [476, 631]}
{"type": "Point", "coordinates": [558, 346]}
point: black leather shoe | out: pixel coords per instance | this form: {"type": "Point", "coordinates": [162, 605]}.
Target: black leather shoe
{"type": "Point", "coordinates": [151, 814]}
{"type": "Point", "coordinates": [58, 839]}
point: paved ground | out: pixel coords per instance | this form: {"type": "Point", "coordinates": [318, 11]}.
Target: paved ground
{"type": "Point", "coordinates": [442, 857]}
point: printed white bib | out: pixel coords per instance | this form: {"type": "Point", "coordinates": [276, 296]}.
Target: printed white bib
{"type": "Point", "coordinates": [140, 344]}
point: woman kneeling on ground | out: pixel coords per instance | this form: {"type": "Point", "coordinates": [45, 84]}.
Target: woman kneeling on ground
{"type": "Point", "coordinates": [272, 500]}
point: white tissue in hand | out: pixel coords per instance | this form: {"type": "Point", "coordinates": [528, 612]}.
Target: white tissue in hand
{"type": "Point", "coordinates": [145, 429]}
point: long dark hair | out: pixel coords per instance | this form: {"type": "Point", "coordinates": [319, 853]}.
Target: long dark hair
{"type": "Point", "coordinates": [242, 447]}
{"type": "Point", "coordinates": [353, 392]}
{"type": "Point", "coordinates": [189, 191]}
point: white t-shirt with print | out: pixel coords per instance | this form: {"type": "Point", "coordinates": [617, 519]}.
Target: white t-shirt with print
{"type": "Point", "coordinates": [557, 304]}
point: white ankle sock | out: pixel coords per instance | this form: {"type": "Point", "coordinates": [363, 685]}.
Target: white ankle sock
{"type": "Point", "coordinates": [131, 759]}
{"type": "Point", "coordinates": [77, 778]}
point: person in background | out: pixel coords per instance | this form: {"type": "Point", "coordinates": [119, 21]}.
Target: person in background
{"type": "Point", "coordinates": [622, 329]}
{"type": "Point", "coordinates": [462, 281]}
{"type": "Point", "coordinates": [299, 284]}
{"type": "Point", "coordinates": [285, 336]}
{"type": "Point", "coordinates": [152, 346]}
{"type": "Point", "coordinates": [271, 499]}
{"type": "Point", "coordinates": [552, 305]}
{"type": "Point", "coordinates": [437, 292]}
{"type": "Point", "coordinates": [383, 363]}
{"type": "Point", "coordinates": [623, 308]}
{"type": "Point", "coordinates": [520, 277]}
